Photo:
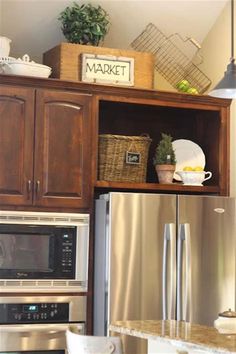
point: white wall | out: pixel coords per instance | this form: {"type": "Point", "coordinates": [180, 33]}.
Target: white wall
{"type": "Point", "coordinates": [216, 51]}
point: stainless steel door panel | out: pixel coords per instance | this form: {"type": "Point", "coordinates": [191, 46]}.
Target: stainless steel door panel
{"type": "Point", "coordinates": [136, 229]}
{"type": "Point", "coordinates": [34, 337]}
{"type": "Point", "coordinates": [212, 233]}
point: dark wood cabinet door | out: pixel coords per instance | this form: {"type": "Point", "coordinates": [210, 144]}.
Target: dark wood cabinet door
{"type": "Point", "coordinates": [62, 149]}
{"type": "Point", "coordinates": [16, 145]}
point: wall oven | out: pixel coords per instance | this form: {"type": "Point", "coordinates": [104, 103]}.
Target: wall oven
{"type": "Point", "coordinates": [37, 324]}
{"type": "Point", "coordinates": [43, 251]}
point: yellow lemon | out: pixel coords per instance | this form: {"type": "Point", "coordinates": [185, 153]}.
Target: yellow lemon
{"type": "Point", "coordinates": [187, 168]}
{"type": "Point", "coordinates": [192, 90]}
{"type": "Point", "coordinates": [198, 168]}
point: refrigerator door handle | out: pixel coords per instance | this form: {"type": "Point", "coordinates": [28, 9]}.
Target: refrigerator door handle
{"type": "Point", "coordinates": [183, 273]}
{"type": "Point", "coordinates": [188, 273]}
{"type": "Point", "coordinates": [169, 272]}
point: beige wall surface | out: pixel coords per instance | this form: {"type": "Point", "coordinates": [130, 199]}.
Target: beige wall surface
{"type": "Point", "coordinates": [34, 28]}
{"type": "Point", "coordinates": [0, 17]}
{"type": "Point", "coordinates": [216, 51]}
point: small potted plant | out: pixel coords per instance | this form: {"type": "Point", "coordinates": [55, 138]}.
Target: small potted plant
{"type": "Point", "coordinates": [84, 24]}
{"type": "Point", "coordinates": [164, 159]}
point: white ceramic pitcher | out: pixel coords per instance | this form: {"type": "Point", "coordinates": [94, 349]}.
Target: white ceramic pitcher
{"type": "Point", "coordinates": [4, 46]}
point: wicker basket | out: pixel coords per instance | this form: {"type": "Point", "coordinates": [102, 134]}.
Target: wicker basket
{"type": "Point", "coordinates": [123, 158]}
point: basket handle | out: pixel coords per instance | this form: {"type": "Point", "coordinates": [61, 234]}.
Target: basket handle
{"type": "Point", "coordinates": [193, 41]}
{"type": "Point", "coordinates": [145, 135]}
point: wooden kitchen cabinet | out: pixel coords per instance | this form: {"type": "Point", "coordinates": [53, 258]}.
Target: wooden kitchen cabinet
{"type": "Point", "coordinates": [16, 145]}
{"type": "Point", "coordinates": [44, 147]}
{"type": "Point", "coordinates": [63, 135]}
{"type": "Point", "coordinates": [201, 119]}
{"type": "Point", "coordinates": [62, 169]}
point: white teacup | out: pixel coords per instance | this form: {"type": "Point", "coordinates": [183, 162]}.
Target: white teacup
{"type": "Point", "coordinates": [195, 178]}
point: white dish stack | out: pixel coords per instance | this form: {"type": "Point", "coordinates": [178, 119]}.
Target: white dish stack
{"type": "Point", "coordinates": [20, 66]}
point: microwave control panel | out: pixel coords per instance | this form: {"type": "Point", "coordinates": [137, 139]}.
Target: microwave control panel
{"type": "Point", "coordinates": [34, 313]}
{"type": "Point", "coordinates": [67, 253]}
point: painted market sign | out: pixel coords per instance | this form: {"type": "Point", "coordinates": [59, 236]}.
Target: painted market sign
{"type": "Point", "coordinates": [107, 69]}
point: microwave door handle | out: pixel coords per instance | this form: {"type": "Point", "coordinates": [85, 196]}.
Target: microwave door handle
{"type": "Point", "coordinates": [169, 267]}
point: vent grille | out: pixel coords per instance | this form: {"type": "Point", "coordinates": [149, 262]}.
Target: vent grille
{"type": "Point", "coordinates": [47, 283]}
{"type": "Point", "coordinates": [79, 220]}
{"type": "Point", "coordinates": [61, 219]}
{"type": "Point", "coordinates": [48, 218]}
{"type": "Point", "coordinates": [2, 217]}
{"type": "Point", "coordinates": [26, 285]}
{"type": "Point", "coordinates": [60, 283]}
{"type": "Point", "coordinates": [45, 218]}
{"type": "Point", "coordinates": [13, 283]}
{"type": "Point", "coordinates": [77, 283]}
{"type": "Point", "coordinates": [13, 217]}
{"type": "Point", "coordinates": [30, 218]}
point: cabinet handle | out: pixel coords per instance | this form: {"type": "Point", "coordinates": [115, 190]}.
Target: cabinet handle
{"type": "Point", "coordinates": [29, 188]}
{"type": "Point", "coordinates": [37, 187]}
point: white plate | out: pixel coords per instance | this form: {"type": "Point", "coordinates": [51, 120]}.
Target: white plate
{"type": "Point", "coordinates": [187, 153]}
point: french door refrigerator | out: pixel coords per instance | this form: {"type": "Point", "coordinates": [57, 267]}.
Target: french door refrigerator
{"type": "Point", "coordinates": [162, 257]}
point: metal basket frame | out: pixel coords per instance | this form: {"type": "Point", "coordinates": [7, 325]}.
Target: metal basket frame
{"type": "Point", "coordinates": [170, 61]}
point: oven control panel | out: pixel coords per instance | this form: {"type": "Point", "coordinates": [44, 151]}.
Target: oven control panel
{"type": "Point", "coordinates": [34, 313]}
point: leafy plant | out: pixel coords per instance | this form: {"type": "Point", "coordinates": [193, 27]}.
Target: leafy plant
{"type": "Point", "coordinates": [164, 153]}
{"type": "Point", "coordinates": [84, 24]}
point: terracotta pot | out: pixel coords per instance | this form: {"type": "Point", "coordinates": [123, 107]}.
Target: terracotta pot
{"type": "Point", "coordinates": [165, 173]}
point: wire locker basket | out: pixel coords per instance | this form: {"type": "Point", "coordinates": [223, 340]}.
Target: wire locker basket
{"type": "Point", "coordinates": [170, 61]}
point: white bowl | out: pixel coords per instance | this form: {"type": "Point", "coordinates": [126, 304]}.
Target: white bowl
{"type": "Point", "coordinates": [194, 178]}
{"type": "Point", "coordinates": [24, 67]}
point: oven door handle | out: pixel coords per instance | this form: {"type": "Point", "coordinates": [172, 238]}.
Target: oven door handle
{"type": "Point", "coordinates": [44, 327]}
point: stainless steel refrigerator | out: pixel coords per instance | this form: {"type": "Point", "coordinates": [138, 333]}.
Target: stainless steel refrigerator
{"type": "Point", "coordinates": [163, 257]}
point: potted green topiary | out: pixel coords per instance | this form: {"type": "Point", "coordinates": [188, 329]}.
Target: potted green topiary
{"type": "Point", "coordinates": [164, 159]}
{"type": "Point", "coordinates": [84, 24]}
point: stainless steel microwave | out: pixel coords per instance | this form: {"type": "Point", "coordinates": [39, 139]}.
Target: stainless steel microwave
{"type": "Point", "coordinates": [43, 251]}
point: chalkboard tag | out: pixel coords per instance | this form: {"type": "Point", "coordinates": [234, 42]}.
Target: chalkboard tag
{"type": "Point", "coordinates": [133, 158]}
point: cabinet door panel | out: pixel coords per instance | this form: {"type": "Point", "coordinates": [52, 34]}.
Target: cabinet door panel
{"type": "Point", "coordinates": [62, 151]}
{"type": "Point", "coordinates": [16, 145]}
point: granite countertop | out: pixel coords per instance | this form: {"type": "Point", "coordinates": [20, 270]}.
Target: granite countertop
{"type": "Point", "coordinates": [191, 336]}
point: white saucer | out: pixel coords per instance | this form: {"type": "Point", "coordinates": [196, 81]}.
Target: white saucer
{"type": "Point", "coordinates": [192, 184]}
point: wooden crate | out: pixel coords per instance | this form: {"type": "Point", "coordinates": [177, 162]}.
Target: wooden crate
{"type": "Point", "coordinates": [65, 61]}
